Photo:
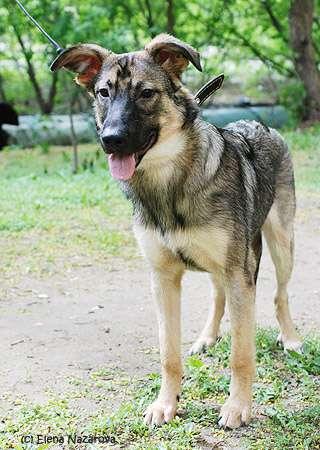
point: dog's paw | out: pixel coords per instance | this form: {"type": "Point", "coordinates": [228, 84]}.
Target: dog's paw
{"type": "Point", "coordinates": [201, 344]}
{"type": "Point", "coordinates": [294, 344]}
{"type": "Point", "coordinates": [160, 412]}
{"type": "Point", "coordinates": [235, 413]}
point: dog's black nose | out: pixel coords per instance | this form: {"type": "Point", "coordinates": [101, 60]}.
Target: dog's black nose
{"type": "Point", "coordinates": [114, 140]}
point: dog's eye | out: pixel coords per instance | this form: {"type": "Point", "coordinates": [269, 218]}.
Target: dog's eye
{"type": "Point", "coordinates": [147, 93]}
{"type": "Point", "coordinates": [104, 92]}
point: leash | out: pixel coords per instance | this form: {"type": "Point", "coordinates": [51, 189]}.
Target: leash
{"type": "Point", "coordinates": [52, 41]}
{"type": "Point", "coordinates": [201, 96]}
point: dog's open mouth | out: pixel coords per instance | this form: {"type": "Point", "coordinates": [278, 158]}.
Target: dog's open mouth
{"type": "Point", "coordinates": [122, 167]}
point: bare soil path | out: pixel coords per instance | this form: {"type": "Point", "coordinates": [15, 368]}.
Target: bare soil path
{"type": "Point", "coordinates": [91, 317]}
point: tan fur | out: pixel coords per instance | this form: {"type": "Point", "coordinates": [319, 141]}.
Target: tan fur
{"type": "Point", "coordinates": [158, 165]}
{"type": "Point", "coordinates": [211, 258]}
{"type": "Point", "coordinates": [166, 277]}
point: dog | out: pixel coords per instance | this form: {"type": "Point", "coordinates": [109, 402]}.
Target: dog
{"type": "Point", "coordinates": [202, 197]}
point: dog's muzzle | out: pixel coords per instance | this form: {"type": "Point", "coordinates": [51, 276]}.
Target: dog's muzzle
{"type": "Point", "coordinates": [122, 160]}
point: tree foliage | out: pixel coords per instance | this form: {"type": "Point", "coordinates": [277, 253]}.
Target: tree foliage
{"type": "Point", "coordinates": [241, 31]}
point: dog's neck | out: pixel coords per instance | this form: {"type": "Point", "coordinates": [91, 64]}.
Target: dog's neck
{"type": "Point", "coordinates": [161, 160]}
{"type": "Point", "coordinates": [174, 158]}
{"type": "Point", "coordinates": [165, 183]}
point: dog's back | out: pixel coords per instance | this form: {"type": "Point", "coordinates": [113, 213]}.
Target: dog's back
{"type": "Point", "coordinates": [255, 166]}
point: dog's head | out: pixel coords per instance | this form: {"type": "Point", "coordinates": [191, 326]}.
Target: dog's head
{"type": "Point", "coordinates": [138, 97]}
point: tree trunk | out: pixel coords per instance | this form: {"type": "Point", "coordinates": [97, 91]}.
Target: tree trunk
{"type": "Point", "coordinates": [3, 96]}
{"type": "Point", "coordinates": [52, 93]}
{"type": "Point", "coordinates": [300, 24]}
{"type": "Point", "coordinates": [170, 17]}
{"type": "Point", "coordinates": [46, 106]}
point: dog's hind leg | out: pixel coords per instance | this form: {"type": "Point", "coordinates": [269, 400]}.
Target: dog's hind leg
{"type": "Point", "coordinates": [278, 231]}
{"type": "Point", "coordinates": [210, 331]}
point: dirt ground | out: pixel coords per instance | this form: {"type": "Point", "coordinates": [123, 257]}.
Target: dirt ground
{"type": "Point", "coordinates": [91, 317]}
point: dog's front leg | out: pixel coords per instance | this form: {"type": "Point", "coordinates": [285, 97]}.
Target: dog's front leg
{"type": "Point", "coordinates": [241, 303]}
{"type": "Point", "coordinates": [166, 287]}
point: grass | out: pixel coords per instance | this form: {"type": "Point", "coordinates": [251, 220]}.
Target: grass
{"type": "Point", "coordinates": [47, 212]}
{"type": "Point", "coordinates": [286, 397]}
{"type": "Point", "coordinates": [51, 219]}
{"type": "Point", "coordinates": [305, 149]}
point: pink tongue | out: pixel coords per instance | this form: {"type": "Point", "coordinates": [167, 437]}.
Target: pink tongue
{"type": "Point", "coordinates": [122, 168]}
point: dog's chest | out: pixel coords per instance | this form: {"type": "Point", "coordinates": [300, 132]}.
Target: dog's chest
{"type": "Point", "coordinates": [200, 248]}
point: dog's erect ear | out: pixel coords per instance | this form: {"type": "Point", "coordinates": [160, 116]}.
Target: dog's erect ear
{"type": "Point", "coordinates": [84, 59]}
{"type": "Point", "coordinates": [172, 54]}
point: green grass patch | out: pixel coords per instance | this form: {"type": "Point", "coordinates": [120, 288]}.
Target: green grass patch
{"type": "Point", "coordinates": [305, 148]}
{"type": "Point", "coordinates": [49, 215]}
{"type": "Point", "coordinates": [286, 405]}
